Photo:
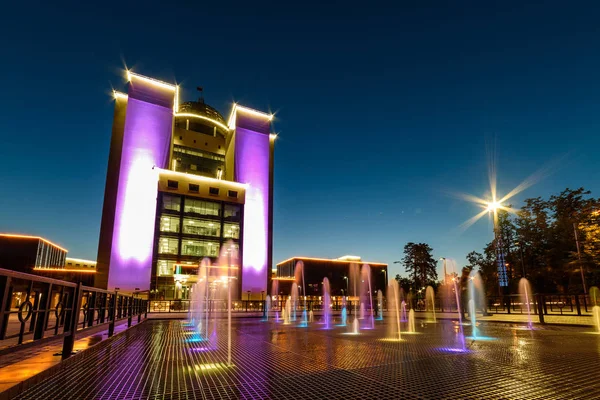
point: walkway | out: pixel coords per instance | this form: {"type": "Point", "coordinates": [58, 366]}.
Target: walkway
{"type": "Point", "coordinates": [167, 359]}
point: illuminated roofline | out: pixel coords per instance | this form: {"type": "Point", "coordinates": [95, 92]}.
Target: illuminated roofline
{"type": "Point", "coordinates": [155, 82]}
{"type": "Point", "coordinates": [251, 111]}
{"type": "Point", "coordinates": [16, 235]}
{"type": "Point", "coordinates": [284, 278]}
{"type": "Point", "coordinates": [81, 260]}
{"type": "Point", "coordinates": [120, 95]}
{"type": "Point", "coordinates": [330, 260]}
{"type": "Point", "coordinates": [88, 270]}
{"type": "Point", "coordinates": [200, 178]}
{"type": "Point", "coordinates": [219, 124]}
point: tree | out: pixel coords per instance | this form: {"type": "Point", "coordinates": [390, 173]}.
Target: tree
{"type": "Point", "coordinates": [404, 283]}
{"type": "Point", "coordinates": [420, 264]}
{"type": "Point", "coordinates": [539, 243]}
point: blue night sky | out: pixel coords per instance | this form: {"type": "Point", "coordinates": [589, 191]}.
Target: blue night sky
{"type": "Point", "coordinates": [380, 109]}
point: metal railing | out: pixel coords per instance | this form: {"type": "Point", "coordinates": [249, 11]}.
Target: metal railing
{"type": "Point", "coordinates": [34, 308]}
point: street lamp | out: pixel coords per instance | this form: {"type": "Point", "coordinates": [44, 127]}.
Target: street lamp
{"type": "Point", "coordinates": [384, 277]}
{"type": "Point", "coordinates": [346, 278]}
{"type": "Point", "coordinates": [445, 274]}
{"type": "Point", "coordinates": [494, 206]}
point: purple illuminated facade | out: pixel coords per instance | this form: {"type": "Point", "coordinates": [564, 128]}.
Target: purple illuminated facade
{"type": "Point", "coordinates": [144, 247]}
{"type": "Point", "coordinates": [253, 146]}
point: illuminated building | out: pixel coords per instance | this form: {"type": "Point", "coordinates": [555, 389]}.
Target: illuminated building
{"type": "Point", "coordinates": [336, 270]}
{"type": "Point", "coordinates": [39, 256]}
{"type": "Point", "coordinates": [181, 183]}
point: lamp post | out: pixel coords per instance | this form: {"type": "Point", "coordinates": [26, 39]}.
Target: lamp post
{"type": "Point", "coordinates": [500, 262]}
{"type": "Point", "coordinates": [445, 273]}
{"type": "Point", "coordinates": [346, 278]}
{"type": "Point", "coordinates": [384, 277]}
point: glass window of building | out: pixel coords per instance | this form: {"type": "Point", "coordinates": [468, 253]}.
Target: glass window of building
{"type": "Point", "coordinates": [232, 212]}
{"type": "Point", "coordinates": [232, 231]}
{"type": "Point", "coordinates": [172, 203]}
{"type": "Point", "coordinates": [200, 248]}
{"type": "Point", "coordinates": [193, 226]}
{"type": "Point", "coordinates": [167, 245]}
{"type": "Point", "coordinates": [202, 207]}
{"type": "Point", "coordinates": [169, 223]}
{"type": "Point", "coordinates": [165, 267]}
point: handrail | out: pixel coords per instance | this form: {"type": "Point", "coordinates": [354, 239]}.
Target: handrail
{"type": "Point", "coordinates": [58, 308]}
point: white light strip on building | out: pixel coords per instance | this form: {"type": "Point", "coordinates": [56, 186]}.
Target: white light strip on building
{"type": "Point", "coordinates": [190, 115]}
{"type": "Point", "coordinates": [152, 81]}
{"type": "Point", "coordinates": [200, 178]}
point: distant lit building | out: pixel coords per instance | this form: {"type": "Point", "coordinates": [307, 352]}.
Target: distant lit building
{"type": "Point", "coordinates": [183, 184]}
{"type": "Point", "coordinates": [337, 271]}
{"type": "Point", "coordinates": [38, 256]}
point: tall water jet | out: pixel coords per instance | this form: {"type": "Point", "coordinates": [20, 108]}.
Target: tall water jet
{"type": "Point", "coordinates": [267, 307]}
{"type": "Point", "coordinates": [326, 303]}
{"type": "Point", "coordinates": [473, 318]}
{"type": "Point", "coordinates": [379, 305]}
{"type": "Point", "coordinates": [287, 311]}
{"type": "Point", "coordinates": [344, 316]}
{"type": "Point", "coordinates": [199, 296]}
{"type": "Point", "coordinates": [411, 321]}
{"type": "Point", "coordinates": [595, 301]}
{"type": "Point", "coordinates": [299, 275]}
{"type": "Point", "coordinates": [403, 315]}
{"type": "Point", "coordinates": [354, 286]}
{"type": "Point", "coordinates": [362, 311]}
{"type": "Point", "coordinates": [355, 326]}
{"type": "Point", "coordinates": [526, 298]}
{"type": "Point", "coordinates": [459, 313]}
{"type": "Point", "coordinates": [476, 299]}
{"type": "Point", "coordinates": [293, 301]}
{"type": "Point", "coordinates": [393, 296]}
{"type": "Point", "coordinates": [366, 296]}
{"type": "Point", "coordinates": [430, 301]}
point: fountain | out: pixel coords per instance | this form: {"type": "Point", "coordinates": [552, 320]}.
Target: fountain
{"type": "Point", "coordinates": [299, 281]}
{"type": "Point", "coordinates": [594, 300]}
{"type": "Point", "coordinates": [293, 302]}
{"type": "Point", "coordinates": [267, 307]}
{"type": "Point", "coordinates": [459, 314]}
{"type": "Point", "coordinates": [355, 280]}
{"type": "Point", "coordinates": [393, 296]}
{"type": "Point", "coordinates": [403, 317]}
{"type": "Point", "coordinates": [287, 311]}
{"type": "Point", "coordinates": [355, 326]}
{"type": "Point", "coordinates": [344, 315]}
{"type": "Point", "coordinates": [476, 300]}
{"type": "Point", "coordinates": [326, 304]}
{"type": "Point", "coordinates": [275, 296]}
{"type": "Point", "coordinates": [380, 305]}
{"type": "Point", "coordinates": [311, 316]}
{"type": "Point", "coordinates": [526, 298]}
{"type": "Point", "coordinates": [411, 321]}
{"type": "Point", "coordinates": [430, 301]}
{"type": "Point", "coordinates": [366, 296]}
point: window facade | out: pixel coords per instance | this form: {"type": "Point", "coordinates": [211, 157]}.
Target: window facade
{"type": "Point", "coordinates": [202, 207]}
{"type": "Point", "coordinates": [168, 245]}
{"type": "Point", "coordinates": [232, 231]}
{"type": "Point", "coordinates": [189, 229]}
{"type": "Point", "coordinates": [169, 223]}
{"type": "Point", "coordinates": [200, 248]}
{"type": "Point", "coordinates": [193, 226]}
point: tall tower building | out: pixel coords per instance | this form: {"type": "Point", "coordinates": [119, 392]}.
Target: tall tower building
{"type": "Point", "coordinates": [182, 185]}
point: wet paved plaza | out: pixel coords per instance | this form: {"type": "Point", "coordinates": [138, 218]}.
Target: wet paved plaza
{"type": "Point", "coordinates": [167, 359]}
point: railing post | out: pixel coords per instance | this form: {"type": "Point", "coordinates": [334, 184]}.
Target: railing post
{"type": "Point", "coordinates": [42, 319]}
{"type": "Point", "coordinates": [577, 304]}
{"type": "Point", "coordinates": [139, 310]}
{"type": "Point", "coordinates": [5, 299]}
{"type": "Point", "coordinates": [541, 304]}
{"type": "Point", "coordinates": [129, 310]}
{"type": "Point", "coordinates": [112, 304]}
{"type": "Point", "coordinates": [73, 322]}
